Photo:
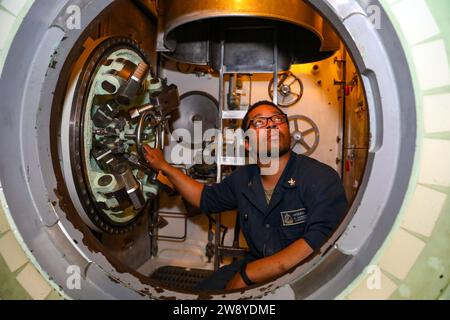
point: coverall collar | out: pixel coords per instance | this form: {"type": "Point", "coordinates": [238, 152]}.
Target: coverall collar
{"type": "Point", "coordinates": [254, 191]}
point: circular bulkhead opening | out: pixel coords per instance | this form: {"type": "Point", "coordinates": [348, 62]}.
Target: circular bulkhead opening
{"type": "Point", "coordinates": [123, 83]}
{"type": "Point", "coordinates": [108, 115]}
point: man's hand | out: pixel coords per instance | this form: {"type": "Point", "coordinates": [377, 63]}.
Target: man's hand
{"type": "Point", "coordinates": [273, 266]}
{"type": "Point", "coordinates": [189, 188]}
{"type": "Point", "coordinates": [236, 282]}
{"type": "Point", "coordinates": [155, 158]}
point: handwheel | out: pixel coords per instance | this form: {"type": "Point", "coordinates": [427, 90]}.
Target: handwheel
{"type": "Point", "coordinates": [305, 135]}
{"type": "Point", "coordinates": [290, 89]}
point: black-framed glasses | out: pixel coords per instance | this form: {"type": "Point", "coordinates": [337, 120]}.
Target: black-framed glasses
{"type": "Point", "coordinates": [261, 122]}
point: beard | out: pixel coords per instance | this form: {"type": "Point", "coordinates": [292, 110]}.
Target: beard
{"type": "Point", "coordinates": [281, 151]}
{"type": "Point", "coordinates": [263, 147]}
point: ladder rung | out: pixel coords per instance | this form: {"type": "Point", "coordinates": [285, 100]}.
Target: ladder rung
{"type": "Point", "coordinates": [233, 114]}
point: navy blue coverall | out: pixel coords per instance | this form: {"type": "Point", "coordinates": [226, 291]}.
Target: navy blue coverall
{"type": "Point", "coordinates": [308, 202]}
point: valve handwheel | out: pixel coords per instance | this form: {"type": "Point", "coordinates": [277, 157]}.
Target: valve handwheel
{"type": "Point", "coordinates": [305, 135]}
{"type": "Point", "coordinates": [290, 89]}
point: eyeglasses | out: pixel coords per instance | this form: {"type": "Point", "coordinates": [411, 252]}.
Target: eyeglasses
{"type": "Point", "coordinates": [261, 122]}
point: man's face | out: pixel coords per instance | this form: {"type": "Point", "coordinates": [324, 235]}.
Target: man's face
{"type": "Point", "coordinates": [276, 135]}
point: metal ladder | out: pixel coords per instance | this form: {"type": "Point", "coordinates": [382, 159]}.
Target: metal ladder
{"type": "Point", "coordinates": [225, 114]}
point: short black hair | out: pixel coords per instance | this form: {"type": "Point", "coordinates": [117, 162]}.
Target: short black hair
{"type": "Point", "coordinates": [245, 125]}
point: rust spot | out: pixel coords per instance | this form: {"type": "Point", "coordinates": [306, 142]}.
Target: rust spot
{"type": "Point", "coordinates": [204, 297]}
{"type": "Point", "coordinates": [159, 289]}
{"type": "Point", "coordinates": [263, 289]}
{"type": "Point", "coordinates": [168, 298]}
{"type": "Point", "coordinates": [141, 293]}
{"type": "Point", "coordinates": [113, 279]}
{"type": "Point", "coordinates": [145, 293]}
{"type": "Point", "coordinates": [60, 199]}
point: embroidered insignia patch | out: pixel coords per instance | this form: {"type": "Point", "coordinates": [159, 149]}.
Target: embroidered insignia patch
{"type": "Point", "coordinates": [293, 217]}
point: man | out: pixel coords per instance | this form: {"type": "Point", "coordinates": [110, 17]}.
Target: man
{"type": "Point", "coordinates": [285, 215]}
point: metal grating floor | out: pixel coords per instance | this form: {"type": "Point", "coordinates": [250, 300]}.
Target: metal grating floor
{"type": "Point", "coordinates": [179, 277]}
